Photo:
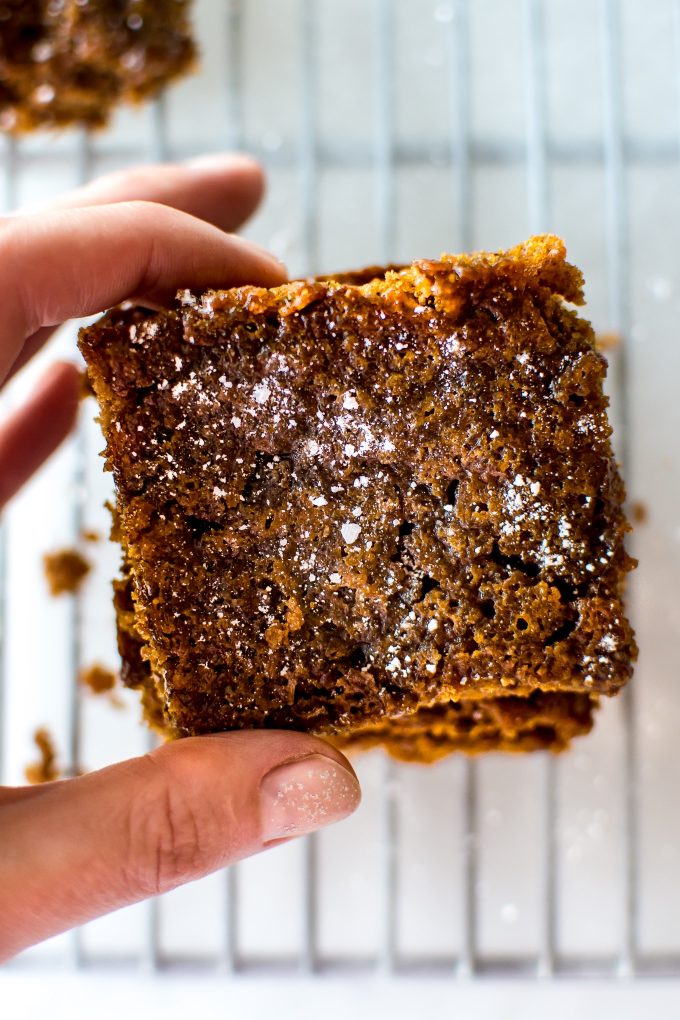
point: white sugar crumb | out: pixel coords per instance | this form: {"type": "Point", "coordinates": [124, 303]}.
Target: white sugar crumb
{"type": "Point", "coordinates": [219, 493]}
{"type": "Point", "coordinates": [432, 625]}
{"type": "Point", "coordinates": [312, 447]}
{"type": "Point", "coordinates": [494, 435]}
{"type": "Point", "coordinates": [179, 388]}
{"type": "Point", "coordinates": [44, 94]}
{"type": "Point", "coordinates": [235, 421]}
{"type": "Point", "coordinates": [393, 664]}
{"type": "Point", "coordinates": [430, 667]}
{"type": "Point", "coordinates": [261, 393]}
{"type": "Point", "coordinates": [349, 450]}
{"type": "Point", "coordinates": [388, 446]}
{"type": "Point", "coordinates": [350, 402]}
{"type": "Point", "coordinates": [518, 481]}
{"type": "Point", "coordinates": [186, 298]}
{"type": "Point", "coordinates": [523, 358]}
{"type": "Point", "coordinates": [41, 52]}
{"type": "Point", "coordinates": [535, 488]}
{"type": "Point", "coordinates": [319, 501]}
{"type": "Point", "coordinates": [350, 532]}
{"type": "Point", "coordinates": [609, 643]}
{"type": "Point", "coordinates": [335, 578]}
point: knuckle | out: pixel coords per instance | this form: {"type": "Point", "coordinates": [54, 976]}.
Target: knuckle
{"type": "Point", "coordinates": [172, 836]}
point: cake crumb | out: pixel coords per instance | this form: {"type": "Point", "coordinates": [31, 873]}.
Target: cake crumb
{"type": "Point", "coordinates": [65, 570]}
{"type": "Point", "coordinates": [605, 342]}
{"type": "Point", "coordinates": [90, 535]}
{"type": "Point", "coordinates": [98, 678]}
{"type": "Point", "coordinates": [45, 770]}
{"type": "Point", "coordinates": [639, 512]}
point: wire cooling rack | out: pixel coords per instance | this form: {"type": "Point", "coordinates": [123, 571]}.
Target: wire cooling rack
{"type": "Point", "coordinates": [393, 130]}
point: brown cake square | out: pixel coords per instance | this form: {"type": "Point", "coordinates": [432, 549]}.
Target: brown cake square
{"type": "Point", "coordinates": [342, 501]}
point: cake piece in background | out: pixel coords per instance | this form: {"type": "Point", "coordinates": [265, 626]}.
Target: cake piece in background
{"type": "Point", "coordinates": [68, 62]}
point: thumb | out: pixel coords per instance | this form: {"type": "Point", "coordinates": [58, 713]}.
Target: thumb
{"type": "Point", "coordinates": [89, 845]}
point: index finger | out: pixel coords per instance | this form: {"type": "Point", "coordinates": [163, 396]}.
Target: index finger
{"type": "Point", "coordinates": [224, 188]}
{"type": "Point", "coordinates": [67, 264]}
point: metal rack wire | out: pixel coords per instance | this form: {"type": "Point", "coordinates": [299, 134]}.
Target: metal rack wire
{"type": "Point", "coordinates": [463, 153]}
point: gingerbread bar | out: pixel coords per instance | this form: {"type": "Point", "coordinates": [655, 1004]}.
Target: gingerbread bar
{"type": "Point", "coordinates": [344, 502]}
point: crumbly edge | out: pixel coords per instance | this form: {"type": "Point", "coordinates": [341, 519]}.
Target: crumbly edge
{"type": "Point", "coordinates": [486, 725]}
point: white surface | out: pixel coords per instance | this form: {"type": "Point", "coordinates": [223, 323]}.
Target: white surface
{"type": "Point", "coordinates": [64, 997]}
{"type": "Point", "coordinates": [426, 219]}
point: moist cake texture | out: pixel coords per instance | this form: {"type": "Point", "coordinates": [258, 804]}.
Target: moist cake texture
{"type": "Point", "coordinates": [68, 62]}
{"type": "Point", "coordinates": [370, 507]}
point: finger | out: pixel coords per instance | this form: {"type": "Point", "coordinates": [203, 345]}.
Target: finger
{"type": "Point", "coordinates": [222, 189]}
{"type": "Point", "coordinates": [31, 346]}
{"type": "Point", "coordinates": [65, 264]}
{"type": "Point", "coordinates": [13, 794]}
{"type": "Point", "coordinates": [134, 830]}
{"type": "Point", "coordinates": [36, 430]}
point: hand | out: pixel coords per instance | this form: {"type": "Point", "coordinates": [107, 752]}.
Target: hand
{"type": "Point", "coordinates": [70, 851]}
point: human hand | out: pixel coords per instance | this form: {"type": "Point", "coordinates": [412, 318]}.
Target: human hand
{"type": "Point", "coordinates": [73, 850]}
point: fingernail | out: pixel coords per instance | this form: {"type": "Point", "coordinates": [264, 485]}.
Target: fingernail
{"type": "Point", "coordinates": [305, 795]}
